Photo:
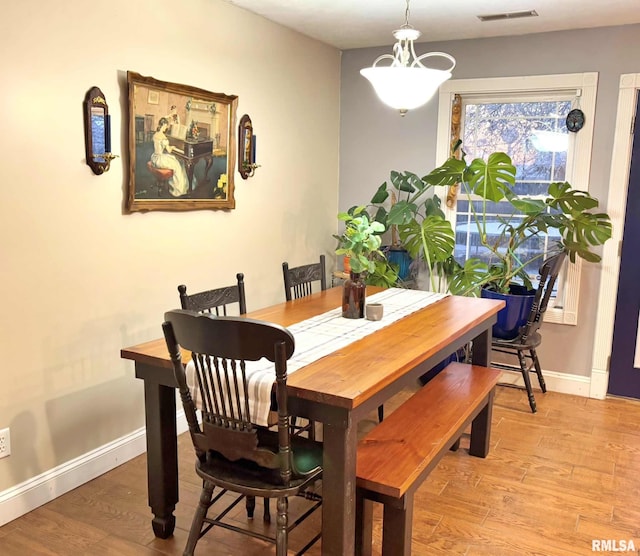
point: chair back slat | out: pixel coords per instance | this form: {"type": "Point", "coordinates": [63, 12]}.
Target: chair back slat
{"type": "Point", "coordinates": [245, 390]}
{"type": "Point", "coordinates": [298, 281]}
{"type": "Point", "coordinates": [220, 348]}
{"type": "Point", "coordinates": [549, 271]}
{"type": "Point", "coordinates": [205, 382]}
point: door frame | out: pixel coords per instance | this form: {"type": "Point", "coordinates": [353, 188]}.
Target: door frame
{"type": "Point", "coordinates": [616, 208]}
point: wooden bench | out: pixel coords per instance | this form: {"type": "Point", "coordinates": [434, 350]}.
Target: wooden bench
{"type": "Point", "coordinates": [399, 453]}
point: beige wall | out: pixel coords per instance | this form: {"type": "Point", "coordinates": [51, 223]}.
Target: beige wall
{"type": "Point", "coordinates": [81, 279]}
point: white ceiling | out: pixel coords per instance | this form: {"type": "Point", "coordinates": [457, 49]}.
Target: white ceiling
{"type": "Point", "coordinates": [362, 23]}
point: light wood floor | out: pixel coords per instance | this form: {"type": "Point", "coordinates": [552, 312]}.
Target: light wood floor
{"type": "Point", "coordinates": [552, 482]}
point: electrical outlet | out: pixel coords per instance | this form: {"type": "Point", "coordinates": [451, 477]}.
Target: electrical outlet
{"type": "Point", "coordinates": [5, 443]}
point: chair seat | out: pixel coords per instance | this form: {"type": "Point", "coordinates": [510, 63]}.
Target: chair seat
{"type": "Point", "coordinates": [532, 342]}
{"type": "Point", "coordinates": [162, 173]}
{"type": "Point", "coordinates": [256, 480]}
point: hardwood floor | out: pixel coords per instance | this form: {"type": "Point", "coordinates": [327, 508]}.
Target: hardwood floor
{"type": "Point", "coordinates": [552, 483]}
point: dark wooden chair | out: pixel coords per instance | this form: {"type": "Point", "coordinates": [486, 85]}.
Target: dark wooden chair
{"type": "Point", "coordinates": [298, 280]}
{"type": "Point", "coordinates": [215, 301]}
{"type": "Point", "coordinates": [232, 453]}
{"type": "Point", "coordinates": [524, 345]}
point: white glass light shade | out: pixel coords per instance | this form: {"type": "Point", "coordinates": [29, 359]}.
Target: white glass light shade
{"type": "Point", "coordinates": [405, 88]}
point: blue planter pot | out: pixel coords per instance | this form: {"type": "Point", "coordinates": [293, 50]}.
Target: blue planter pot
{"type": "Point", "coordinates": [514, 315]}
{"type": "Point", "coordinates": [401, 258]}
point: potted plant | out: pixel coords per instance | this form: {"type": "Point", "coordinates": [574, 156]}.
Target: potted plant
{"type": "Point", "coordinates": [567, 215]}
{"type": "Point", "coordinates": [416, 221]}
{"type": "Point", "coordinates": [360, 241]}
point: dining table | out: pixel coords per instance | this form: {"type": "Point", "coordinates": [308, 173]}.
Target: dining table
{"type": "Point", "coordinates": [337, 390]}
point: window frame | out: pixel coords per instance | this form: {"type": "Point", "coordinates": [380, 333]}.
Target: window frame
{"type": "Point", "coordinates": [582, 85]}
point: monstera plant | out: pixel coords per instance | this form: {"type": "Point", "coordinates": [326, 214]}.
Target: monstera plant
{"type": "Point", "coordinates": [416, 215]}
{"type": "Point", "coordinates": [567, 214]}
{"type": "Point", "coordinates": [408, 203]}
{"type": "Point", "coordinates": [503, 224]}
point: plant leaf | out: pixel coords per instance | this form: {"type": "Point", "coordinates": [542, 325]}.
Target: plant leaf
{"type": "Point", "coordinates": [491, 179]}
{"type": "Point", "coordinates": [401, 182]}
{"type": "Point", "coordinates": [402, 213]}
{"type": "Point", "coordinates": [381, 195]}
{"type": "Point", "coordinates": [528, 206]}
{"type": "Point", "coordinates": [434, 234]}
{"type": "Point", "coordinates": [381, 216]}
{"type": "Point", "coordinates": [449, 173]}
{"type": "Point", "coordinates": [432, 207]}
{"type": "Point", "coordinates": [467, 280]}
{"type": "Point", "coordinates": [569, 200]}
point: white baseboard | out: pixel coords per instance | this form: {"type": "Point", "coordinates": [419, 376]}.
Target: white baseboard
{"type": "Point", "coordinates": [556, 382]}
{"type": "Point", "coordinates": [599, 384]}
{"type": "Point", "coordinates": [35, 492]}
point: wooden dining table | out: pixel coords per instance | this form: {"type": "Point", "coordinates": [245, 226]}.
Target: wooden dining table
{"type": "Point", "coordinates": [337, 390]}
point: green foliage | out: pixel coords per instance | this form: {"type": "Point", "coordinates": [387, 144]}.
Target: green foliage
{"type": "Point", "coordinates": [492, 179]}
{"type": "Point", "coordinates": [385, 274]}
{"type": "Point", "coordinates": [420, 223]}
{"type": "Point", "coordinates": [360, 240]}
{"type": "Point", "coordinates": [432, 235]}
{"type": "Point", "coordinates": [417, 217]}
{"type": "Point", "coordinates": [566, 210]}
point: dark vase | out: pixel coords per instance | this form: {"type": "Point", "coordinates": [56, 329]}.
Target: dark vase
{"type": "Point", "coordinates": [353, 294]}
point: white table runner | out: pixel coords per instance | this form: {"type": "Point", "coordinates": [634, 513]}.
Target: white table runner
{"type": "Point", "coordinates": [320, 336]}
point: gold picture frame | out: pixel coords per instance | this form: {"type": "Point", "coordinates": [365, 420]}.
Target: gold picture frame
{"type": "Point", "coordinates": [182, 150]}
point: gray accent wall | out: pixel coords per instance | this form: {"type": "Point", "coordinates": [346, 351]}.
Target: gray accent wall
{"type": "Point", "coordinates": [375, 139]}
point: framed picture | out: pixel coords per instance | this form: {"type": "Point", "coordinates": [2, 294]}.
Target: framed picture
{"type": "Point", "coordinates": [182, 147]}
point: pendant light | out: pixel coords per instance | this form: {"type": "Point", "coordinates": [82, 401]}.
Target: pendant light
{"type": "Point", "coordinates": [406, 83]}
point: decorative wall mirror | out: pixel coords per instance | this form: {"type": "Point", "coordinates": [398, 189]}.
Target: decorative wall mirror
{"type": "Point", "coordinates": [97, 131]}
{"type": "Point", "coordinates": [246, 148]}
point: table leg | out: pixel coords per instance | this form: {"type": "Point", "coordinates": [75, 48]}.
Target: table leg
{"type": "Point", "coordinates": [339, 489]}
{"type": "Point", "coordinates": [162, 456]}
{"type": "Point", "coordinates": [481, 429]}
{"type": "Point", "coordinates": [481, 352]}
{"type": "Point", "coordinates": [481, 425]}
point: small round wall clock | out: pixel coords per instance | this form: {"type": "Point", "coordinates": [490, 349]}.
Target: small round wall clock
{"type": "Point", "coordinates": [575, 120]}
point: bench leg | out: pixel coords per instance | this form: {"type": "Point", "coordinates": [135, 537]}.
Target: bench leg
{"type": "Point", "coordinates": [481, 429]}
{"type": "Point", "coordinates": [364, 525]}
{"type": "Point", "coordinates": [396, 527]}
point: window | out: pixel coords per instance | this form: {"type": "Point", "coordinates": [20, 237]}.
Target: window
{"type": "Point", "coordinates": [524, 117]}
{"type": "Point", "coordinates": [534, 135]}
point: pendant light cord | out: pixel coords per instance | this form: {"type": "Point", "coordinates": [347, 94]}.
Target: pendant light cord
{"type": "Point", "coordinates": [406, 24]}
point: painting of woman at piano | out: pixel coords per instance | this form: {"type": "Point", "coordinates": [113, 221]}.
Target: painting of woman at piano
{"type": "Point", "coordinates": [170, 168]}
{"type": "Point", "coordinates": [162, 158]}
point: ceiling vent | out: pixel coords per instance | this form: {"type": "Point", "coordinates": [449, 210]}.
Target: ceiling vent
{"type": "Point", "coordinates": [511, 15]}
